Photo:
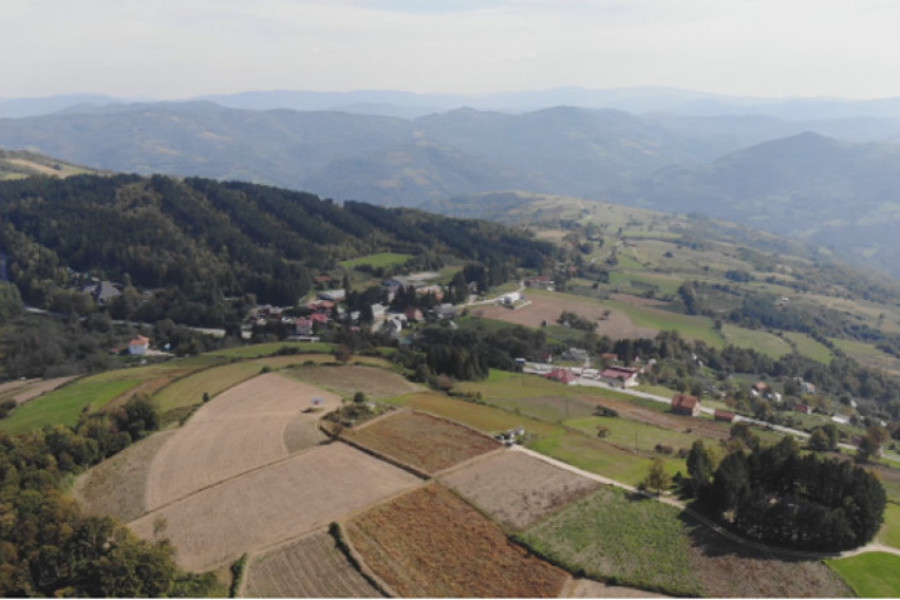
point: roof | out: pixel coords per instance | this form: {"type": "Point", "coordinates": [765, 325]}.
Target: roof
{"type": "Point", "coordinates": [723, 414]}
{"type": "Point", "coordinates": [685, 401]}
{"type": "Point", "coordinates": [561, 375]}
{"type": "Point", "coordinates": [139, 340]}
{"type": "Point", "coordinates": [623, 372]}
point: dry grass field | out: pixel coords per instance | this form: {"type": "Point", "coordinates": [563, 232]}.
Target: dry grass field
{"type": "Point", "coordinates": [515, 489]}
{"type": "Point", "coordinates": [548, 308]}
{"type": "Point", "coordinates": [241, 429]}
{"type": "Point", "coordinates": [427, 443]}
{"type": "Point", "coordinates": [117, 486]}
{"type": "Point", "coordinates": [311, 567]}
{"type": "Point", "coordinates": [430, 543]}
{"type": "Point", "coordinates": [271, 505]}
{"type": "Point", "coordinates": [21, 391]}
{"type": "Point", "coordinates": [347, 380]}
{"type": "Point", "coordinates": [588, 588]}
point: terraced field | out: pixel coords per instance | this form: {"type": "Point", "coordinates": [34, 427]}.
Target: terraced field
{"type": "Point", "coordinates": [311, 567]}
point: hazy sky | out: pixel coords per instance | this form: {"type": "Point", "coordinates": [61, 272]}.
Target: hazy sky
{"type": "Point", "coordinates": [182, 48]}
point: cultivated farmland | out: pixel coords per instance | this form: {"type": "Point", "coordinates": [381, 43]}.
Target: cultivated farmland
{"type": "Point", "coordinates": [273, 504]}
{"type": "Point", "coordinates": [23, 391]}
{"type": "Point", "coordinates": [242, 429]}
{"type": "Point", "coordinates": [430, 543]}
{"type": "Point", "coordinates": [311, 567]}
{"type": "Point", "coordinates": [347, 380]}
{"type": "Point", "coordinates": [421, 441]}
{"type": "Point", "coordinates": [517, 490]}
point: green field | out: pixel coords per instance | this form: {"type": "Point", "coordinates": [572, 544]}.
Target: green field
{"type": "Point", "coordinates": [383, 259]}
{"type": "Point", "coordinates": [890, 530]}
{"type": "Point", "coordinates": [637, 542]}
{"type": "Point", "coordinates": [189, 391]}
{"type": "Point", "coordinates": [66, 404]}
{"type": "Point", "coordinates": [808, 347]}
{"type": "Point", "coordinates": [762, 341]}
{"type": "Point", "coordinates": [641, 281]}
{"type": "Point", "coordinates": [270, 348]}
{"type": "Point", "coordinates": [870, 575]}
{"type": "Point", "coordinates": [689, 326]}
{"type": "Point", "coordinates": [859, 349]}
{"type": "Point", "coordinates": [627, 433]}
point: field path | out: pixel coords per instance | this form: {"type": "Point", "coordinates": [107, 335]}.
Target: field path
{"type": "Point", "coordinates": [242, 429]}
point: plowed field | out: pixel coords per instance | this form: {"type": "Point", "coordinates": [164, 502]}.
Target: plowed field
{"type": "Point", "coordinates": [273, 504]}
{"type": "Point", "coordinates": [347, 380]}
{"type": "Point", "coordinates": [241, 429]}
{"type": "Point", "coordinates": [311, 567]}
{"type": "Point", "coordinates": [517, 490]}
{"type": "Point", "coordinates": [431, 543]}
{"type": "Point", "coordinates": [422, 441]}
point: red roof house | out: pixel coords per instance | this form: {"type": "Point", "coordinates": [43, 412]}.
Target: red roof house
{"type": "Point", "coordinates": [724, 415]}
{"type": "Point", "coordinates": [683, 404]}
{"type": "Point", "coordinates": [561, 375]}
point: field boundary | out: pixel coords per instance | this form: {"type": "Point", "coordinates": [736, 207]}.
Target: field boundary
{"type": "Point", "coordinates": [342, 540]}
{"type": "Point", "coordinates": [382, 457]}
{"type": "Point", "coordinates": [471, 461]}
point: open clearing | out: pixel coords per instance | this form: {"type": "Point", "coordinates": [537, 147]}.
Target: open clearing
{"type": "Point", "coordinates": [347, 380]}
{"type": "Point", "coordinates": [23, 391]}
{"type": "Point", "coordinates": [273, 504]}
{"type": "Point", "coordinates": [422, 441]}
{"type": "Point", "coordinates": [431, 543]}
{"type": "Point", "coordinates": [240, 430]}
{"type": "Point", "coordinates": [549, 307]}
{"type": "Point", "coordinates": [311, 567]}
{"type": "Point", "coordinates": [117, 486]}
{"type": "Point", "coordinates": [871, 575]}
{"type": "Point", "coordinates": [517, 490]}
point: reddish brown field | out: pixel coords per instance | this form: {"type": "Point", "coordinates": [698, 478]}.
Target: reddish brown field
{"type": "Point", "coordinates": [515, 489]}
{"type": "Point", "coordinates": [431, 543]}
{"type": "Point", "coordinates": [271, 505]}
{"type": "Point", "coordinates": [542, 308]}
{"type": "Point", "coordinates": [240, 430]}
{"type": "Point", "coordinates": [427, 443]}
{"type": "Point", "coordinates": [311, 567]}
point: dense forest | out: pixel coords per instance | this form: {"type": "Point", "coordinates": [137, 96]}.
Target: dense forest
{"type": "Point", "coordinates": [198, 244]}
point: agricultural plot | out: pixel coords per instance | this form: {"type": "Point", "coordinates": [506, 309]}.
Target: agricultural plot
{"type": "Point", "coordinates": [21, 392]}
{"type": "Point", "coordinates": [517, 490]}
{"type": "Point", "coordinates": [422, 441]}
{"type": "Point", "coordinates": [431, 543]}
{"type": "Point", "coordinates": [273, 504]}
{"type": "Point", "coordinates": [870, 575]}
{"type": "Point", "coordinates": [381, 260]}
{"type": "Point", "coordinates": [189, 391]}
{"type": "Point", "coordinates": [242, 429]}
{"type": "Point", "coordinates": [311, 567]}
{"type": "Point", "coordinates": [117, 486]}
{"type": "Point", "coordinates": [588, 588]}
{"type": "Point", "coordinates": [808, 347]}
{"type": "Point", "coordinates": [766, 343]}
{"type": "Point", "coordinates": [347, 380]}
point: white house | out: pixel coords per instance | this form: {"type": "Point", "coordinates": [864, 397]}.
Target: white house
{"type": "Point", "coordinates": [138, 345]}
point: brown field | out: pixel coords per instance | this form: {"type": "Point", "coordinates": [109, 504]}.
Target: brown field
{"type": "Point", "coordinates": [117, 486]}
{"type": "Point", "coordinates": [271, 505]}
{"type": "Point", "coordinates": [588, 588]}
{"type": "Point", "coordinates": [431, 543]}
{"type": "Point", "coordinates": [375, 382]}
{"type": "Point", "coordinates": [667, 420]}
{"type": "Point", "coordinates": [22, 391]}
{"type": "Point", "coordinates": [515, 489]}
{"type": "Point", "coordinates": [311, 567]}
{"type": "Point", "coordinates": [729, 570]}
{"type": "Point", "coordinates": [241, 429]}
{"type": "Point", "coordinates": [427, 443]}
{"type": "Point", "coordinates": [542, 308]}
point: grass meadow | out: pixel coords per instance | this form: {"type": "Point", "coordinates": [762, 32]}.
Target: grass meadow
{"type": "Point", "coordinates": [870, 575]}
{"type": "Point", "coordinates": [762, 341]}
{"type": "Point", "coordinates": [383, 259]}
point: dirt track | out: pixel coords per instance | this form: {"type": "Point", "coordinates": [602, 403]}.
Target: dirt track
{"type": "Point", "coordinates": [241, 429]}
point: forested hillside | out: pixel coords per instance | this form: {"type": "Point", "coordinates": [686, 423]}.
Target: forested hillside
{"type": "Point", "coordinates": [196, 242]}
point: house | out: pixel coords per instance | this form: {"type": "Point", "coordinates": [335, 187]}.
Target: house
{"type": "Point", "coordinates": [303, 326]}
{"type": "Point", "coordinates": [543, 281]}
{"type": "Point", "coordinates": [510, 298]}
{"type": "Point", "coordinates": [683, 404]}
{"type": "Point", "coordinates": [319, 319]}
{"type": "Point", "coordinates": [759, 389]}
{"type": "Point", "coordinates": [378, 310]}
{"type": "Point", "coordinates": [564, 376]}
{"type": "Point", "coordinates": [803, 408]}
{"type": "Point", "coordinates": [445, 311]}
{"type": "Point", "coordinates": [414, 314]}
{"type": "Point", "coordinates": [724, 415]}
{"type": "Point", "coordinates": [620, 376]}
{"type": "Point", "coordinates": [578, 355]}
{"type": "Point", "coordinates": [138, 345]}
{"type": "Point", "coordinates": [102, 292]}
{"type": "Point", "coordinates": [332, 295]}
{"type": "Point", "coordinates": [609, 357]}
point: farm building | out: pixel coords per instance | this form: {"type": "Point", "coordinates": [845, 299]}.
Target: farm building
{"type": "Point", "coordinates": [683, 404]}
{"type": "Point", "coordinates": [562, 375]}
{"type": "Point", "coordinates": [332, 295]}
{"type": "Point", "coordinates": [620, 376]}
{"type": "Point", "coordinates": [138, 345]}
{"type": "Point", "coordinates": [724, 415]}
{"type": "Point", "coordinates": [510, 298]}
{"type": "Point", "coordinates": [803, 408]}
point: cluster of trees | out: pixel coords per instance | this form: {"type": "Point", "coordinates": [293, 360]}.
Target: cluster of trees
{"type": "Point", "coordinates": [199, 242]}
{"type": "Point", "coordinates": [575, 320]}
{"type": "Point", "coordinates": [779, 496]}
{"type": "Point", "coordinates": [48, 548]}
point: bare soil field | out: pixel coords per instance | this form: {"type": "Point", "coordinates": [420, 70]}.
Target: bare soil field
{"type": "Point", "coordinates": [588, 588]}
{"type": "Point", "coordinates": [427, 443]}
{"type": "Point", "coordinates": [515, 489]}
{"type": "Point", "coordinates": [542, 308]}
{"type": "Point", "coordinates": [311, 567]}
{"type": "Point", "coordinates": [431, 543]}
{"type": "Point", "coordinates": [241, 429]}
{"type": "Point", "coordinates": [728, 570]}
{"type": "Point", "coordinates": [347, 380]}
{"type": "Point", "coordinates": [29, 389]}
{"type": "Point", "coordinates": [271, 505]}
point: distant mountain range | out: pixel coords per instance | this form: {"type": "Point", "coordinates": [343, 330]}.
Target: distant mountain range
{"type": "Point", "coordinates": [834, 182]}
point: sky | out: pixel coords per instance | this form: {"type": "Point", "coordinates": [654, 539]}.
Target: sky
{"type": "Point", "coordinates": [184, 48]}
